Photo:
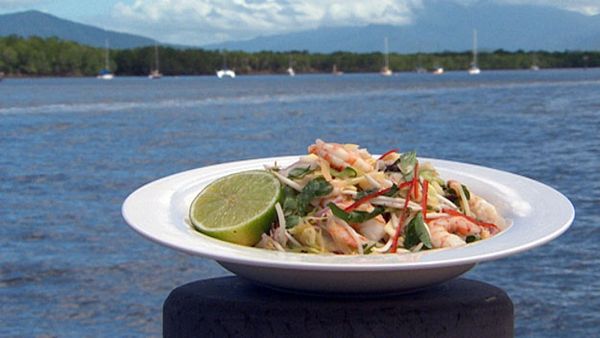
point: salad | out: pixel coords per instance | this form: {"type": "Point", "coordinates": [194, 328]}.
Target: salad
{"type": "Point", "coordinates": [340, 199]}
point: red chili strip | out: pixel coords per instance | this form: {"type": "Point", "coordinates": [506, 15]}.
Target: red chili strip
{"type": "Point", "coordinates": [399, 228]}
{"type": "Point", "coordinates": [387, 153]}
{"type": "Point", "coordinates": [366, 199]}
{"type": "Point", "coordinates": [483, 224]}
{"type": "Point", "coordinates": [404, 185]}
{"type": "Point", "coordinates": [401, 222]}
{"type": "Point", "coordinates": [394, 247]}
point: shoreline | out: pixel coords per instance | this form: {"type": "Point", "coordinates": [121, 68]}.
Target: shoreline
{"type": "Point", "coordinates": [428, 72]}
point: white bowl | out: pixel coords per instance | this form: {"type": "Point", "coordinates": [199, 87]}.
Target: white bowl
{"type": "Point", "coordinates": [159, 212]}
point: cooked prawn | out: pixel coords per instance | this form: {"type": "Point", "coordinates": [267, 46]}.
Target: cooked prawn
{"type": "Point", "coordinates": [339, 157]}
{"type": "Point", "coordinates": [373, 229]}
{"type": "Point", "coordinates": [343, 235]}
{"type": "Point", "coordinates": [450, 231]}
{"type": "Point", "coordinates": [485, 211]}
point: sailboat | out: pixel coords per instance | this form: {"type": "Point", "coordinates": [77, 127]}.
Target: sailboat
{"type": "Point", "coordinates": [474, 69]}
{"type": "Point", "coordinates": [225, 72]}
{"type": "Point", "coordinates": [335, 71]}
{"type": "Point", "coordinates": [386, 71]}
{"type": "Point", "coordinates": [438, 70]}
{"type": "Point", "coordinates": [419, 68]}
{"type": "Point", "coordinates": [290, 69]}
{"type": "Point", "coordinates": [155, 73]}
{"type": "Point", "coordinates": [105, 73]}
{"type": "Point", "coordinates": [534, 65]}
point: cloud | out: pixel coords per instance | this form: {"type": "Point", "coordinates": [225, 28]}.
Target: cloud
{"type": "Point", "coordinates": [11, 5]}
{"type": "Point", "coordinates": [198, 22]}
{"type": "Point", "coordinates": [588, 7]}
{"type": "Point", "coordinates": [208, 21]}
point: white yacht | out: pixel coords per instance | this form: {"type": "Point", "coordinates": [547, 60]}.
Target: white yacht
{"type": "Point", "coordinates": [225, 72]}
{"type": "Point", "coordinates": [438, 71]}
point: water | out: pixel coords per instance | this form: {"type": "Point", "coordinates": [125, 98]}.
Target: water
{"type": "Point", "coordinates": [73, 149]}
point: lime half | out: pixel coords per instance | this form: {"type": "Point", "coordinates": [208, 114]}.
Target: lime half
{"type": "Point", "coordinates": [237, 208]}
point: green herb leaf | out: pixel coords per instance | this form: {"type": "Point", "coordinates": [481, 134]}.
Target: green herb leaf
{"type": "Point", "coordinates": [393, 190]}
{"type": "Point", "coordinates": [354, 217]}
{"type": "Point", "coordinates": [407, 164]}
{"type": "Point", "coordinates": [466, 191]}
{"type": "Point", "coordinates": [363, 193]}
{"type": "Point", "coordinates": [416, 233]}
{"type": "Point", "coordinates": [315, 188]}
{"type": "Point", "coordinates": [368, 247]}
{"type": "Point", "coordinates": [292, 220]}
{"type": "Point", "coordinates": [299, 172]}
{"type": "Point", "coordinates": [297, 205]}
{"type": "Point", "coordinates": [471, 239]}
{"type": "Point", "coordinates": [347, 172]}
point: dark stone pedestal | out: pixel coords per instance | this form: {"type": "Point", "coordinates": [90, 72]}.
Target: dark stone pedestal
{"type": "Point", "coordinates": [233, 307]}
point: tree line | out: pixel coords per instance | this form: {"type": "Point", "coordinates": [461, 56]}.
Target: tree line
{"type": "Point", "coordinates": [36, 56]}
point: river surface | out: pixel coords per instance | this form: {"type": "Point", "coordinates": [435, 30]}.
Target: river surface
{"type": "Point", "coordinates": [73, 149]}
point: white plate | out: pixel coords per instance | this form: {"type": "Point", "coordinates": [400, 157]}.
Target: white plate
{"type": "Point", "coordinates": [159, 212]}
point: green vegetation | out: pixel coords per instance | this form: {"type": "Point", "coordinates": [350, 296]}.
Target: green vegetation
{"type": "Point", "coordinates": [54, 57]}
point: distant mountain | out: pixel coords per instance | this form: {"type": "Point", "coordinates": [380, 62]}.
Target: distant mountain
{"type": "Point", "coordinates": [443, 25]}
{"type": "Point", "coordinates": [35, 23]}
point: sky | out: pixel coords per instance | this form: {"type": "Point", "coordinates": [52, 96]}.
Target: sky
{"type": "Point", "coordinates": [200, 22]}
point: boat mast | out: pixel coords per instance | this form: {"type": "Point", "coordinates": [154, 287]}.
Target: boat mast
{"type": "Point", "coordinates": [386, 57]}
{"type": "Point", "coordinates": [475, 47]}
{"type": "Point", "coordinates": [156, 56]}
{"type": "Point", "coordinates": [106, 64]}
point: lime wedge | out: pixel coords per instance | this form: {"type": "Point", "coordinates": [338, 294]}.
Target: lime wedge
{"type": "Point", "coordinates": [237, 208]}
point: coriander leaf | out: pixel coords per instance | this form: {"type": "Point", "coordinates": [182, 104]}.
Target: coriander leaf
{"type": "Point", "coordinates": [292, 220]}
{"type": "Point", "coordinates": [299, 172]}
{"type": "Point", "coordinates": [290, 201]}
{"type": "Point", "coordinates": [347, 172]}
{"type": "Point", "coordinates": [363, 193]}
{"type": "Point", "coordinates": [290, 205]}
{"type": "Point", "coordinates": [416, 233]}
{"type": "Point", "coordinates": [315, 188]}
{"type": "Point", "coordinates": [354, 217]}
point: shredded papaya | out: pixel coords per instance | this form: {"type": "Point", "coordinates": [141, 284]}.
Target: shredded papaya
{"type": "Point", "coordinates": [424, 199]}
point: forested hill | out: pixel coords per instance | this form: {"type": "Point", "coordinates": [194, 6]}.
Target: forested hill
{"type": "Point", "coordinates": [35, 23]}
{"type": "Point", "coordinates": [54, 57]}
